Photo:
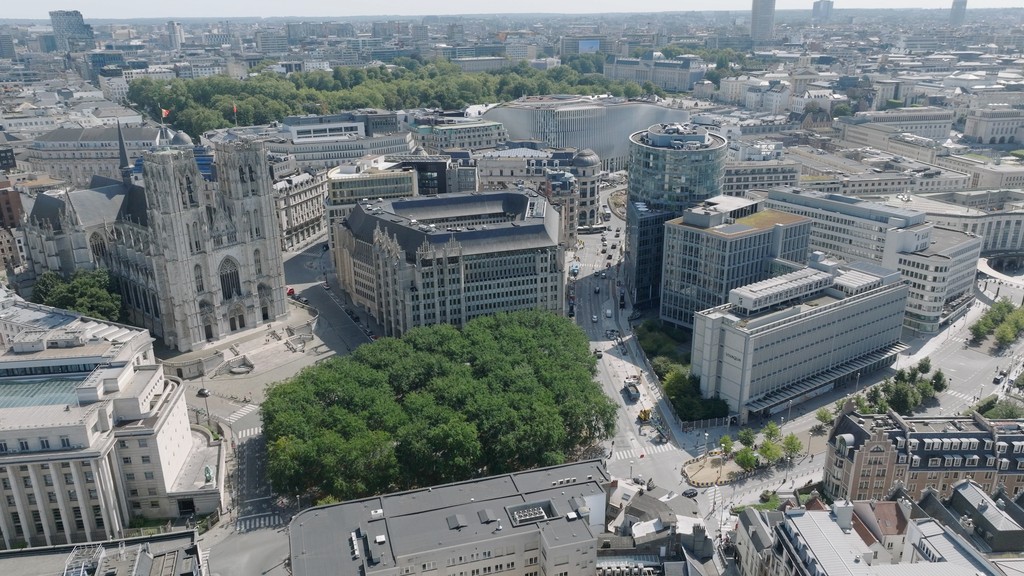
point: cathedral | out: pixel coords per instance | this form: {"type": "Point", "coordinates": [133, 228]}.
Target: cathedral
{"type": "Point", "coordinates": [195, 257]}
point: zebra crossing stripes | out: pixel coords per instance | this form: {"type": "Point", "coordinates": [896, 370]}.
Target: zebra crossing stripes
{"type": "Point", "coordinates": [248, 433]}
{"type": "Point", "coordinates": [636, 452]}
{"type": "Point", "coordinates": [247, 409]}
{"type": "Point", "coordinates": [257, 521]}
{"type": "Point", "coordinates": [959, 395]}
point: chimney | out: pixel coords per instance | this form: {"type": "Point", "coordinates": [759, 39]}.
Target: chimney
{"type": "Point", "coordinates": [844, 515]}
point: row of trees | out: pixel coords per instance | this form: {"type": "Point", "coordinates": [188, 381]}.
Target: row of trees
{"type": "Point", "coordinates": [507, 392]}
{"type": "Point", "coordinates": [87, 293]}
{"type": "Point", "coordinates": [1003, 319]}
{"type": "Point", "coordinates": [219, 101]}
{"type": "Point", "coordinates": [772, 449]}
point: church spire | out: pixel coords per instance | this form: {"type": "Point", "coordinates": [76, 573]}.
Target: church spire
{"type": "Point", "coordinates": [122, 153]}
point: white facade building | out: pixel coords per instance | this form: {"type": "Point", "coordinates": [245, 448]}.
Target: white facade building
{"type": "Point", "coordinates": [937, 262]}
{"type": "Point", "coordinates": [92, 433]}
{"type": "Point", "coordinates": [796, 336]}
{"type": "Point", "coordinates": [926, 121]}
{"type": "Point", "coordinates": [995, 126]}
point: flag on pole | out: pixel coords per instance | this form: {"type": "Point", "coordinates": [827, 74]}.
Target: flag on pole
{"type": "Point", "coordinates": [164, 112]}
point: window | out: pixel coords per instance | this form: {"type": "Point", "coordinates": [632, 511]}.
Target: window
{"type": "Point", "coordinates": [149, 475]}
{"type": "Point", "coordinates": [22, 445]}
{"type": "Point", "coordinates": [126, 460]}
{"type": "Point", "coordinates": [65, 442]}
{"type": "Point", "coordinates": [145, 459]}
{"type": "Point", "coordinates": [122, 444]}
{"type": "Point", "coordinates": [143, 443]}
{"type": "Point", "coordinates": [230, 284]}
{"type": "Point", "coordinates": [198, 275]}
{"type": "Point", "coordinates": [68, 478]}
{"type": "Point", "coordinates": [129, 476]}
{"type": "Point", "coordinates": [3, 447]}
{"type": "Point", "coordinates": [154, 503]}
{"type": "Point", "coordinates": [257, 262]}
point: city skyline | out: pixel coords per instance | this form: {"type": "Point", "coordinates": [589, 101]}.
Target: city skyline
{"type": "Point", "coordinates": [122, 9]}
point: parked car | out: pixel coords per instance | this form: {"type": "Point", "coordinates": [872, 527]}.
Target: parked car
{"type": "Point", "coordinates": [690, 493]}
{"type": "Point", "coordinates": [203, 393]}
{"type": "Point", "coordinates": [593, 318]}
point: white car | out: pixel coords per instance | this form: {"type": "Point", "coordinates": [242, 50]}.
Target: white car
{"type": "Point", "coordinates": [593, 318]}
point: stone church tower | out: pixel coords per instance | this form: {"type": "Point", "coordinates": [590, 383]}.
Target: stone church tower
{"type": "Point", "coordinates": [217, 256]}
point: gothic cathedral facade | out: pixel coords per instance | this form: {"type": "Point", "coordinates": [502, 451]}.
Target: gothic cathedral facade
{"type": "Point", "coordinates": [195, 259]}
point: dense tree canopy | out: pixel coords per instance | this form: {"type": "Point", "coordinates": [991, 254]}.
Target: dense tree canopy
{"type": "Point", "coordinates": [207, 103]}
{"type": "Point", "coordinates": [508, 392]}
{"type": "Point", "coordinates": [87, 293]}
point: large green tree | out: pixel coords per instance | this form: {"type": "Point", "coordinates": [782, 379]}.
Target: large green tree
{"type": "Point", "coordinates": [507, 392]}
{"type": "Point", "coordinates": [87, 293]}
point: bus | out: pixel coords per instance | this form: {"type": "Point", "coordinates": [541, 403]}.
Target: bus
{"type": "Point", "coordinates": [595, 229]}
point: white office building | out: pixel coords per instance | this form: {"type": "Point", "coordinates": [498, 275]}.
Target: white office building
{"type": "Point", "coordinates": [937, 261]}
{"type": "Point", "coordinates": [926, 121]}
{"type": "Point", "coordinates": [798, 335]}
{"type": "Point", "coordinates": [92, 433]}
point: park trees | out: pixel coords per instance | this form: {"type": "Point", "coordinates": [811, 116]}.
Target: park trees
{"type": "Point", "coordinates": [507, 392]}
{"type": "Point", "coordinates": [87, 292]}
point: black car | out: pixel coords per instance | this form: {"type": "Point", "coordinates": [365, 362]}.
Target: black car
{"type": "Point", "coordinates": [690, 492]}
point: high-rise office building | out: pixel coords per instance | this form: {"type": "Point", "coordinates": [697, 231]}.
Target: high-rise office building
{"type": "Point", "coordinates": [957, 13]}
{"type": "Point", "coordinates": [672, 167]}
{"type": "Point", "coordinates": [175, 35]}
{"type": "Point", "coordinates": [762, 21]}
{"type": "Point", "coordinates": [6, 47]}
{"type": "Point", "coordinates": [70, 30]}
{"type": "Point", "coordinates": [821, 13]}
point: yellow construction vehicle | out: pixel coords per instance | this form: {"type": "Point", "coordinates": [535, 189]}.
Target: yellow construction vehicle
{"type": "Point", "coordinates": [645, 415]}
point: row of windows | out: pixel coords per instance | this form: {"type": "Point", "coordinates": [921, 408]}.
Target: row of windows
{"type": "Point", "coordinates": [44, 444]}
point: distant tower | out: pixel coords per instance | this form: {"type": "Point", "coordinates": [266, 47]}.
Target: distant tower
{"type": "Point", "coordinates": [175, 36]}
{"type": "Point", "coordinates": [822, 11]}
{"type": "Point", "coordinates": [957, 13]}
{"type": "Point", "coordinates": [762, 21]}
{"type": "Point", "coordinates": [70, 31]}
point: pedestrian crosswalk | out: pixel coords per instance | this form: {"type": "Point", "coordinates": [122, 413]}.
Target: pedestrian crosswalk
{"type": "Point", "coordinates": [247, 409]}
{"type": "Point", "coordinates": [959, 395]}
{"type": "Point", "coordinates": [248, 432]}
{"type": "Point", "coordinates": [257, 521]}
{"type": "Point", "coordinates": [640, 452]}
{"type": "Point", "coordinates": [204, 561]}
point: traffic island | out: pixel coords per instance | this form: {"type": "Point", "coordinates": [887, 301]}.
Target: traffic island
{"type": "Point", "coordinates": [711, 470]}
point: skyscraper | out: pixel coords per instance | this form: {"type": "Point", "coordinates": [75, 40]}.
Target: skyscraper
{"type": "Point", "coordinates": [70, 30]}
{"type": "Point", "coordinates": [175, 35]}
{"type": "Point", "coordinates": [957, 13]}
{"type": "Point", "coordinates": [821, 13]}
{"type": "Point", "coordinates": [762, 21]}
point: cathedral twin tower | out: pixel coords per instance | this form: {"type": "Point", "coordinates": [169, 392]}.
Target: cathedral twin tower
{"type": "Point", "coordinates": [194, 258]}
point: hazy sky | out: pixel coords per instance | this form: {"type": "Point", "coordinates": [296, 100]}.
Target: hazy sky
{"type": "Point", "coordinates": [325, 9]}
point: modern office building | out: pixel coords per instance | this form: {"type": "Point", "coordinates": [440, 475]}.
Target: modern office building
{"type": "Point", "coordinates": [448, 259]}
{"type": "Point", "coordinates": [645, 239]}
{"type": "Point", "coordinates": [798, 335]}
{"type": "Point", "coordinates": [741, 176]}
{"type": "Point", "coordinates": [574, 44]}
{"type": "Point", "coordinates": [677, 74]}
{"type": "Point", "coordinates": [602, 124]}
{"type": "Point", "coordinates": [368, 178]}
{"type": "Point", "coordinates": [724, 244]}
{"type": "Point", "coordinates": [70, 31]}
{"type": "Point", "coordinates": [868, 454]}
{"type": "Point", "coordinates": [92, 433]}
{"type": "Point", "coordinates": [957, 13]}
{"type": "Point", "coordinates": [762, 21]}
{"type": "Point", "coordinates": [937, 261]}
{"type": "Point", "coordinates": [542, 521]}
{"type": "Point", "coordinates": [76, 155]}
{"type": "Point", "coordinates": [195, 259]}
{"type": "Point", "coordinates": [528, 163]}
{"type": "Point", "coordinates": [175, 36]}
{"type": "Point", "coordinates": [324, 142]}
{"type": "Point", "coordinates": [672, 167]}
{"type": "Point", "coordinates": [440, 133]}
{"type": "Point", "coordinates": [821, 11]}
{"type": "Point", "coordinates": [7, 47]}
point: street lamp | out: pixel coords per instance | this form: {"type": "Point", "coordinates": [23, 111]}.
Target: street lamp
{"type": "Point", "coordinates": [705, 445]}
{"type": "Point", "coordinates": [630, 469]}
{"type": "Point", "coordinates": [790, 414]}
{"type": "Point", "coordinates": [857, 387]}
{"type": "Point", "coordinates": [206, 400]}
